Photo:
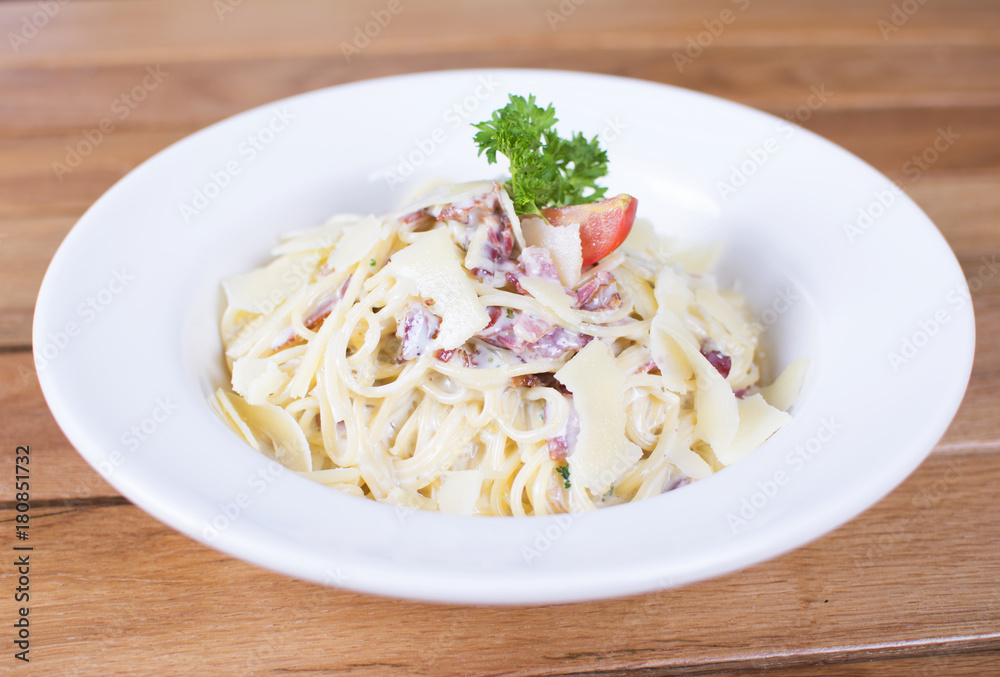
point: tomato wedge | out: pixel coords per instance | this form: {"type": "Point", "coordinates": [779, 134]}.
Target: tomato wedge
{"type": "Point", "coordinates": [604, 225]}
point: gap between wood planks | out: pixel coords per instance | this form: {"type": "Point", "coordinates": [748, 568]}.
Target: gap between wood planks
{"type": "Point", "coordinates": [85, 502]}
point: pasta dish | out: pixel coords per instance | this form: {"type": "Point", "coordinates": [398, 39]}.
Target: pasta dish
{"type": "Point", "coordinates": [455, 356]}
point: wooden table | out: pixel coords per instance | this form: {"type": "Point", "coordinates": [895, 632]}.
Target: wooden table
{"type": "Point", "coordinates": [911, 587]}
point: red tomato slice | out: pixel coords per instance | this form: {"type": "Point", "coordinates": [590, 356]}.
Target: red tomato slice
{"type": "Point", "coordinates": [604, 225]}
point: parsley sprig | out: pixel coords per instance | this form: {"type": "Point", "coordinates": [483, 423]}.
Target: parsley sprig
{"type": "Point", "coordinates": [564, 471]}
{"type": "Point", "coordinates": [546, 170]}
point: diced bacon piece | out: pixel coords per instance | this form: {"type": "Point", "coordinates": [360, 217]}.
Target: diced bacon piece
{"type": "Point", "coordinates": [413, 216]}
{"type": "Point", "coordinates": [416, 328]}
{"type": "Point", "coordinates": [285, 339]}
{"type": "Point", "coordinates": [542, 380]}
{"type": "Point", "coordinates": [445, 355]}
{"type": "Point", "coordinates": [537, 262]}
{"type": "Point", "coordinates": [600, 293]}
{"type": "Point", "coordinates": [514, 280]}
{"type": "Point", "coordinates": [483, 210]}
{"type": "Point", "coordinates": [722, 362]}
{"type": "Point", "coordinates": [555, 344]}
{"type": "Point", "coordinates": [561, 444]}
{"type": "Point", "coordinates": [676, 483]}
{"type": "Point", "coordinates": [519, 332]}
{"type": "Point", "coordinates": [500, 330]}
{"type": "Point", "coordinates": [529, 328]}
{"type": "Point", "coordinates": [313, 320]}
{"type": "Point", "coordinates": [500, 234]}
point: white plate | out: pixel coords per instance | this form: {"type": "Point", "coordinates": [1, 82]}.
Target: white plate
{"type": "Point", "coordinates": [125, 332]}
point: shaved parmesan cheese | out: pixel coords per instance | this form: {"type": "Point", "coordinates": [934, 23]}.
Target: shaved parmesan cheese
{"type": "Point", "coordinates": [696, 258]}
{"type": "Point", "coordinates": [785, 390]}
{"type": "Point", "coordinates": [563, 242]}
{"type": "Point", "coordinates": [671, 360]}
{"type": "Point", "coordinates": [289, 443]}
{"type": "Point", "coordinates": [758, 421]}
{"type": "Point", "coordinates": [256, 379]}
{"type": "Point", "coordinates": [603, 453]}
{"type": "Point", "coordinates": [551, 295]}
{"type": "Point", "coordinates": [475, 255]}
{"type": "Point", "coordinates": [407, 498]}
{"type": "Point", "coordinates": [262, 289]}
{"type": "Point", "coordinates": [321, 237]}
{"type": "Point", "coordinates": [715, 404]}
{"type": "Point", "coordinates": [638, 291]}
{"type": "Point", "coordinates": [452, 193]}
{"type": "Point", "coordinates": [224, 406]}
{"type": "Point", "coordinates": [460, 489]}
{"type": "Point", "coordinates": [431, 266]}
{"type": "Point", "coordinates": [672, 292]}
{"type": "Point", "coordinates": [334, 476]}
{"type": "Point", "coordinates": [690, 463]}
{"type": "Point", "coordinates": [723, 311]}
{"type": "Point", "coordinates": [515, 222]}
{"type": "Point", "coordinates": [642, 240]}
{"type": "Point", "coordinates": [356, 244]}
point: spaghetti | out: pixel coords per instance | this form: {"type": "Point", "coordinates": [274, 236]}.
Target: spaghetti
{"type": "Point", "coordinates": [439, 357]}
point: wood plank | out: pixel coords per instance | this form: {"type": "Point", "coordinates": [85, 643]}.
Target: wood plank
{"type": "Point", "coordinates": [32, 183]}
{"type": "Point", "coordinates": [99, 612]}
{"type": "Point", "coordinates": [780, 79]}
{"type": "Point", "coordinates": [889, 139]}
{"type": "Point", "coordinates": [969, 664]}
{"type": "Point", "coordinates": [24, 256]}
{"type": "Point", "coordinates": [101, 33]}
{"type": "Point", "coordinates": [963, 205]}
{"type": "Point", "coordinates": [25, 419]}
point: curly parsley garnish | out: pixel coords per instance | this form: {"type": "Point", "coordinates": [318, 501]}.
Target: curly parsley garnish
{"type": "Point", "coordinates": [546, 170]}
{"type": "Point", "coordinates": [564, 471]}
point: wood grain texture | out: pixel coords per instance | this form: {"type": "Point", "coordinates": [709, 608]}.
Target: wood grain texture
{"type": "Point", "coordinates": [771, 77]}
{"type": "Point", "coordinates": [195, 31]}
{"type": "Point", "coordinates": [903, 578]}
{"type": "Point", "coordinates": [907, 588]}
